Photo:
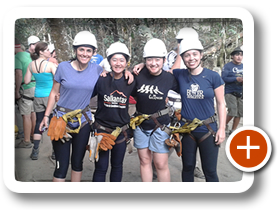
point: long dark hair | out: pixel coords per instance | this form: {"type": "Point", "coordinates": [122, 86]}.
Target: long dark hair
{"type": "Point", "coordinates": [40, 46]}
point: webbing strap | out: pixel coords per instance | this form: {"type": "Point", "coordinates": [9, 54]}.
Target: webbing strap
{"type": "Point", "coordinates": [110, 130]}
{"type": "Point", "coordinates": [207, 124]}
{"type": "Point", "coordinates": [83, 112]}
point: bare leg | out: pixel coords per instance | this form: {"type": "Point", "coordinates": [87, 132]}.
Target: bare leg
{"type": "Point", "coordinates": [161, 164]}
{"type": "Point", "coordinates": [228, 119]}
{"type": "Point", "coordinates": [58, 180]}
{"type": "Point", "coordinates": [33, 122]}
{"type": "Point", "coordinates": [146, 170]}
{"type": "Point", "coordinates": [27, 126]}
{"type": "Point", "coordinates": [236, 121]}
{"type": "Point", "coordinates": [76, 176]}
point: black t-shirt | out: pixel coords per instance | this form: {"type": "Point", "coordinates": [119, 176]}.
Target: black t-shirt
{"type": "Point", "coordinates": [113, 101]}
{"type": "Point", "coordinates": [151, 92]}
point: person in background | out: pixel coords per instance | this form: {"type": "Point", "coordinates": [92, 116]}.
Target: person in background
{"type": "Point", "coordinates": [32, 41]}
{"type": "Point", "coordinates": [24, 94]}
{"type": "Point", "coordinates": [232, 75]}
{"type": "Point", "coordinates": [53, 57]}
{"type": "Point", "coordinates": [96, 58]}
{"type": "Point", "coordinates": [43, 72]}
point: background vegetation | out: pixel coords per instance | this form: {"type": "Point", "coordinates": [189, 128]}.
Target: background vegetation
{"type": "Point", "coordinates": [218, 36]}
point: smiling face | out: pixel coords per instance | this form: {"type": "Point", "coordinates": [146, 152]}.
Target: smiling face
{"type": "Point", "coordinates": [84, 54]}
{"type": "Point", "coordinates": [192, 58]}
{"type": "Point", "coordinates": [118, 63]}
{"type": "Point", "coordinates": [154, 65]}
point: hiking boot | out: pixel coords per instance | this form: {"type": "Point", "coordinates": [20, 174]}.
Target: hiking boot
{"type": "Point", "coordinates": [198, 173]}
{"type": "Point", "coordinates": [34, 154]}
{"type": "Point", "coordinates": [23, 144]}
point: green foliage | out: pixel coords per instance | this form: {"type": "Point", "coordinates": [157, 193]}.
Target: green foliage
{"type": "Point", "coordinates": [134, 32]}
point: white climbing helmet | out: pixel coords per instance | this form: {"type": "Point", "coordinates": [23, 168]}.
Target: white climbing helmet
{"type": "Point", "coordinates": [190, 44]}
{"type": "Point", "coordinates": [85, 38]}
{"type": "Point", "coordinates": [154, 48]}
{"type": "Point", "coordinates": [32, 40]}
{"type": "Point", "coordinates": [186, 33]}
{"type": "Point", "coordinates": [117, 47]}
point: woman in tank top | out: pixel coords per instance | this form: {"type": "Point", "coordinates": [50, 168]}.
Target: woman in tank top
{"type": "Point", "coordinates": [43, 72]}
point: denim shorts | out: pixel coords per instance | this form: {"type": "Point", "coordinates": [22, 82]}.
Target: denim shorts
{"type": "Point", "coordinates": [155, 142]}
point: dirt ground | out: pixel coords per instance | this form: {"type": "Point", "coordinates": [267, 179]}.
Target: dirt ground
{"type": "Point", "coordinates": [41, 170]}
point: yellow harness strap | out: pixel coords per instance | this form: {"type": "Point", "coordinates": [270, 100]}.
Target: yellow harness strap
{"type": "Point", "coordinates": [187, 128]}
{"type": "Point", "coordinates": [136, 121]}
{"type": "Point", "coordinates": [69, 117]}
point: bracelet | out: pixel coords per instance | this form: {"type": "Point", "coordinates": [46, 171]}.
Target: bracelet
{"type": "Point", "coordinates": [46, 116]}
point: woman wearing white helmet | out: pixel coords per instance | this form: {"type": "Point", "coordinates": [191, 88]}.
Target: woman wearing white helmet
{"type": "Point", "coordinates": [152, 86]}
{"type": "Point", "coordinates": [75, 81]}
{"type": "Point", "coordinates": [113, 94]}
{"type": "Point", "coordinates": [198, 88]}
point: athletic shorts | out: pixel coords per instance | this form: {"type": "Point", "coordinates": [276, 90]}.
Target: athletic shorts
{"type": "Point", "coordinates": [155, 142]}
{"type": "Point", "coordinates": [40, 104]}
{"type": "Point", "coordinates": [25, 105]}
{"type": "Point", "coordinates": [234, 105]}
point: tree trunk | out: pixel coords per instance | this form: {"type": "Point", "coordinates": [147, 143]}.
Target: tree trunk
{"type": "Point", "coordinates": [59, 36]}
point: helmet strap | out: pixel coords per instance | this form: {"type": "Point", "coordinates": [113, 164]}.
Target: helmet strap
{"type": "Point", "coordinates": [195, 67]}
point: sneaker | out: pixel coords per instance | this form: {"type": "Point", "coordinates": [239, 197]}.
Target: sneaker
{"type": "Point", "coordinates": [198, 173]}
{"type": "Point", "coordinates": [34, 154]}
{"type": "Point", "coordinates": [23, 144]}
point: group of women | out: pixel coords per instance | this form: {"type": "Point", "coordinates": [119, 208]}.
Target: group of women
{"type": "Point", "coordinates": [78, 80]}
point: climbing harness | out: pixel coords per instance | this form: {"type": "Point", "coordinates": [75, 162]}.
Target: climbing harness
{"type": "Point", "coordinates": [191, 125]}
{"type": "Point", "coordinates": [104, 141]}
{"type": "Point", "coordinates": [136, 121]}
{"type": "Point", "coordinates": [59, 129]}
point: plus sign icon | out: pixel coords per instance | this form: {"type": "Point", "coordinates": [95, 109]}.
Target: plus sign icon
{"type": "Point", "coordinates": [248, 148]}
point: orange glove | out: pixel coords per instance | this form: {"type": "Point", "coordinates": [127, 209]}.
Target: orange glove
{"type": "Point", "coordinates": [107, 141]}
{"type": "Point", "coordinates": [60, 129]}
{"type": "Point", "coordinates": [57, 128]}
{"type": "Point", "coordinates": [51, 127]}
{"type": "Point", "coordinates": [178, 147]}
{"type": "Point", "coordinates": [175, 142]}
{"type": "Point", "coordinates": [177, 113]}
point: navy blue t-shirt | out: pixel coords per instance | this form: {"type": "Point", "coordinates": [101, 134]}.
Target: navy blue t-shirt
{"type": "Point", "coordinates": [229, 74]}
{"type": "Point", "coordinates": [151, 92]}
{"type": "Point", "coordinates": [197, 95]}
{"type": "Point", "coordinates": [113, 101]}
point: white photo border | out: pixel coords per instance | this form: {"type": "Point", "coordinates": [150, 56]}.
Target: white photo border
{"type": "Point", "coordinates": [122, 12]}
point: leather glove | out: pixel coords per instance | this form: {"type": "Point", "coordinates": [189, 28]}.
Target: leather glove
{"type": "Point", "coordinates": [174, 141]}
{"type": "Point", "coordinates": [177, 114]}
{"type": "Point", "coordinates": [93, 147]}
{"type": "Point", "coordinates": [57, 128]}
{"type": "Point", "coordinates": [60, 129]}
{"type": "Point", "coordinates": [107, 141]}
{"type": "Point", "coordinates": [52, 127]}
{"type": "Point", "coordinates": [178, 147]}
